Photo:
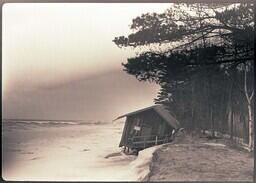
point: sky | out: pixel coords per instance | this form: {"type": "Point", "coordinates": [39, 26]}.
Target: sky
{"type": "Point", "coordinates": [59, 61]}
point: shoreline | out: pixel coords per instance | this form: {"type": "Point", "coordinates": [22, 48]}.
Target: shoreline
{"type": "Point", "coordinates": [83, 153]}
{"type": "Point", "coordinates": [64, 153]}
{"type": "Point", "coordinates": [142, 165]}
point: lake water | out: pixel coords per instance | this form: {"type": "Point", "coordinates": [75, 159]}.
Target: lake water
{"type": "Point", "coordinates": [63, 151]}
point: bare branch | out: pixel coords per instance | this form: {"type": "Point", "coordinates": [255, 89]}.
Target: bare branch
{"type": "Point", "coordinates": [252, 94]}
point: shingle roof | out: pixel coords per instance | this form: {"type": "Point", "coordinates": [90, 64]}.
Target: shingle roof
{"type": "Point", "coordinates": [161, 110]}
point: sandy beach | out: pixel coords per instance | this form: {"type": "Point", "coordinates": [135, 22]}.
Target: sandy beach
{"type": "Point", "coordinates": [67, 152]}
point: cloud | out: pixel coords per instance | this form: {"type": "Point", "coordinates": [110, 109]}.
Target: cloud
{"type": "Point", "coordinates": [59, 60]}
{"type": "Point", "coordinates": [100, 97]}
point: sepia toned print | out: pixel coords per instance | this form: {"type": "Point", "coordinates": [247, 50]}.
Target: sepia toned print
{"type": "Point", "coordinates": [127, 92]}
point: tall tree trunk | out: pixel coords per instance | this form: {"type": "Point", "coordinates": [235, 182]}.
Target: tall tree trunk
{"type": "Point", "coordinates": [212, 121]}
{"type": "Point", "coordinates": [232, 124]}
{"type": "Point", "coordinates": [250, 126]}
{"type": "Point", "coordinates": [249, 106]}
{"type": "Point", "coordinates": [231, 111]}
{"type": "Point", "coordinates": [254, 163]}
{"type": "Point", "coordinates": [193, 105]}
{"type": "Point", "coordinates": [210, 101]}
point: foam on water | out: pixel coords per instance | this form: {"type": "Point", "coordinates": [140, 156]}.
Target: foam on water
{"type": "Point", "coordinates": [68, 153]}
{"type": "Point", "coordinates": [40, 121]}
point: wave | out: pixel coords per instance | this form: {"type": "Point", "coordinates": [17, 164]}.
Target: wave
{"type": "Point", "coordinates": [40, 122]}
{"type": "Point", "coordinates": [14, 122]}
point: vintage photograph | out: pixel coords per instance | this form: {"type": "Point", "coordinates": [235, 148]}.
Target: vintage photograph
{"type": "Point", "coordinates": [128, 91]}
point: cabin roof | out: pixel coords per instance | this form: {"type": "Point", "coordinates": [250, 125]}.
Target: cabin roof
{"type": "Point", "coordinates": [161, 110]}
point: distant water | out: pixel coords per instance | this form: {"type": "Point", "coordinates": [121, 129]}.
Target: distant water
{"type": "Point", "coordinates": [26, 123]}
{"type": "Point", "coordinates": [39, 149]}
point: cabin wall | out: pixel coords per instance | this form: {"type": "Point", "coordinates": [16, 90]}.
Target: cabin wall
{"type": "Point", "coordinates": [168, 130]}
{"type": "Point", "coordinates": [127, 127]}
{"type": "Point", "coordinates": [149, 119]}
{"type": "Point", "coordinates": [150, 124]}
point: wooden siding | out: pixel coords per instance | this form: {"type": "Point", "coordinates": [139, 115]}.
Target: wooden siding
{"type": "Point", "coordinates": [152, 124]}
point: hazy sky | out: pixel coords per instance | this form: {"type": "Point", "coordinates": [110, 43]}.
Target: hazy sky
{"type": "Point", "coordinates": [59, 61]}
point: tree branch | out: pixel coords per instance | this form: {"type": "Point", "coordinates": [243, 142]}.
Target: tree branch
{"type": "Point", "coordinates": [252, 95]}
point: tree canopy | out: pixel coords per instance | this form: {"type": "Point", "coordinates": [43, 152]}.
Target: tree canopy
{"type": "Point", "coordinates": [197, 53]}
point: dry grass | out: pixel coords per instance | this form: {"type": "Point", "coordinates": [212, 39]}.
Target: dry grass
{"type": "Point", "coordinates": [189, 159]}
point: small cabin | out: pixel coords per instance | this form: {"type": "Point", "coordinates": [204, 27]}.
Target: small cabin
{"type": "Point", "coordinates": [148, 127]}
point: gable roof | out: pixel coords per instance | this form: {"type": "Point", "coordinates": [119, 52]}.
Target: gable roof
{"type": "Point", "coordinates": [161, 110]}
